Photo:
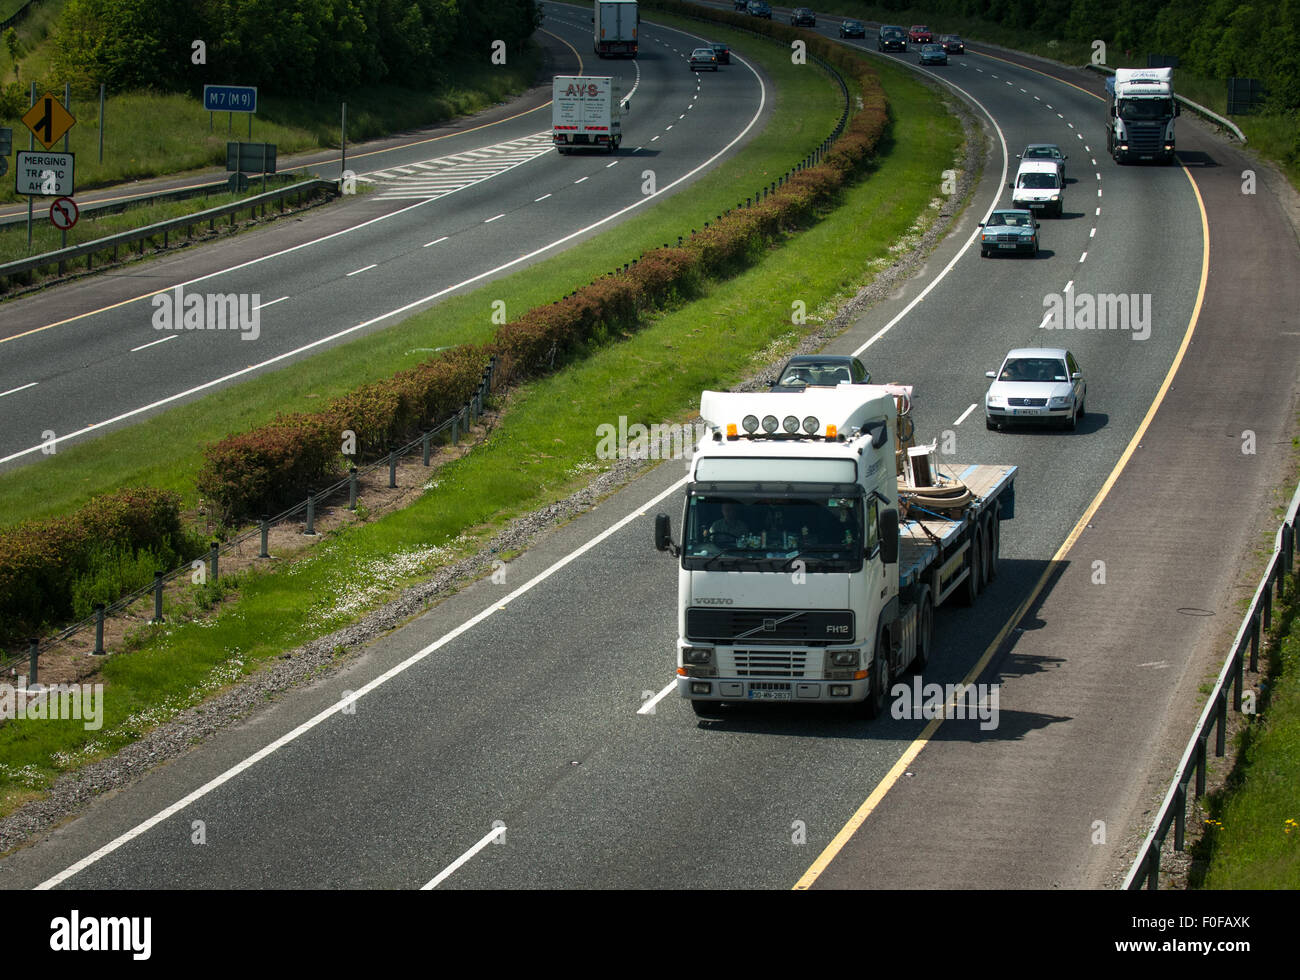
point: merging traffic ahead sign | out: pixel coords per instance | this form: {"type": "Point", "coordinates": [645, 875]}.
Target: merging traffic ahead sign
{"type": "Point", "coordinates": [40, 172]}
{"type": "Point", "coordinates": [230, 98]}
{"type": "Point", "coordinates": [48, 120]}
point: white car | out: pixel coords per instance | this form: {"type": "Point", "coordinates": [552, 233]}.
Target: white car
{"type": "Point", "coordinates": [1039, 186]}
{"type": "Point", "coordinates": [1036, 384]}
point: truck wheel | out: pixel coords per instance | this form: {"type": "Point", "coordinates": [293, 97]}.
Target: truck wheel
{"type": "Point", "coordinates": [706, 709]}
{"type": "Point", "coordinates": [874, 705]}
{"type": "Point", "coordinates": [970, 588]}
{"type": "Point", "coordinates": [924, 632]}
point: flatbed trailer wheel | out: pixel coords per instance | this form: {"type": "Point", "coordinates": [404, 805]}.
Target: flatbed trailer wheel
{"type": "Point", "coordinates": [924, 631]}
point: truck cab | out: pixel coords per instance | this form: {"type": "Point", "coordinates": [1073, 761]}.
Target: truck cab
{"type": "Point", "coordinates": [1141, 112]}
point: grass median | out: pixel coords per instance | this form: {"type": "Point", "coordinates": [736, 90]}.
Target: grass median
{"type": "Point", "coordinates": [165, 451]}
{"type": "Point", "coordinates": [544, 448]}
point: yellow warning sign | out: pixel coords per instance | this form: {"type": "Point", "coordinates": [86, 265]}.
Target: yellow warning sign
{"type": "Point", "coordinates": [48, 120]}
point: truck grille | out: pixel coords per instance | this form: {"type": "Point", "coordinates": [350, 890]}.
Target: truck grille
{"type": "Point", "coordinates": [1145, 137]}
{"type": "Point", "coordinates": [769, 663]}
{"type": "Point", "coordinates": [770, 625]}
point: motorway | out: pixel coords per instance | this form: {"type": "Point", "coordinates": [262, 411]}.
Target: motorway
{"type": "Point", "coordinates": [515, 736]}
{"type": "Point", "coordinates": [486, 203]}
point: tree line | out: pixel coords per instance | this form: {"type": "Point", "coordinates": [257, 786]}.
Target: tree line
{"type": "Point", "coordinates": [290, 47]}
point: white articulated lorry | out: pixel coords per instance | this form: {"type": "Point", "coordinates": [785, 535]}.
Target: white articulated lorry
{"type": "Point", "coordinates": [1140, 115]}
{"type": "Point", "coordinates": [616, 24]}
{"type": "Point", "coordinates": [586, 112]}
{"type": "Point", "coordinates": [817, 544]}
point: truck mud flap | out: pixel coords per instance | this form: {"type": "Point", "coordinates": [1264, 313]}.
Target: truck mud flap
{"type": "Point", "coordinates": [1007, 503]}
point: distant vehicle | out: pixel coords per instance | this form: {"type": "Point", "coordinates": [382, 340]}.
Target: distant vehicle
{"type": "Point", "coordinates": [891, 38]}
{"type": "Point", "coordinates": [723, 52]}
{"type": "Point", "coordinates": [1140, 123]}
{"type": "Point", "coordinates": [933, 54]}
{"type": "Point", "coordinates": [1045, 151]}
{"type": "Point", "coordinates": [741, 5]}
{"type": "Point", "coordinates": [817, 370]}
{"type": "Point", "coordinates": [704, 58]}
{"type": "Point", "coordinates": [803, 17]}
{"type": "Point", "coordinates": [1036, 384]}
{"type": "Point", "coordinates": [1009, 230]}
{"type": "Point", "coordinates": [952, 43]}
{"type": "Point", "coordinates": [920, 34]}
{"type": "Point", "coordinates": [1038, 187]}
{"type": "Point", "coordinates": [758, 8]}
{"type": "Point", "coordinates": [586, 112]}
{"type": "Point", "coordinates": [853, 28]}
{"type": "Point", "coordinates": [616, 23]}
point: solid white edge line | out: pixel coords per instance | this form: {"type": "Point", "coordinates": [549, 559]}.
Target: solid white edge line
{"type": "Point", "coordinates": [152, 343]}
{"type": "Point", "coordinates": [649, 707]}
{"type": "Point", "coordinates": [964, 414]}
{"type": "Point", "coordinates": [30, 384]}
{"type": "Point", "coordinates": [263, 306]}
{"type": "Point", "coordinates": [437, 241]}
{"type": "Point", "coordinates": [364, 268]}
{"type": "Point", "coordinates": [969, 242]}
{"type": "Point", "coordinates": [494, 607]}
{"type": "Point", "coordinates": [452, 868]}
{"type": "Point", "coordinates": [641, 201]}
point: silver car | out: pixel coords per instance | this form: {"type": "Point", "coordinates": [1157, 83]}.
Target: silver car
{"type": "Point", "coordinates": [1036, 384]}
{"type": "Point", "coordinates": [1045, 151]}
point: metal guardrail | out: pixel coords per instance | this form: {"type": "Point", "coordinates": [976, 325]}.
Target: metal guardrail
{"type": "Point", "coordinates": [164, 228]}
{"type": "Point", "coordinates": [1194, 106]}
{"type": "Point", "coordinates": [1146, 868]}
{"type": "Point", "coordinates": [158, 197]}
{"type": "Point", "coordinates": [459, 423]}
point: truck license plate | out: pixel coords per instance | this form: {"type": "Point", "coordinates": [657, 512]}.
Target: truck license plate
{"type": "Point", "coordinates": [771, 696]}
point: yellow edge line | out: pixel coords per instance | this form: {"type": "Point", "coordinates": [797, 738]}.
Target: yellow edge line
{"type": "Point", "coordinates": [434, 139]}
{"type": "Point", "coordinates": [885, 785]}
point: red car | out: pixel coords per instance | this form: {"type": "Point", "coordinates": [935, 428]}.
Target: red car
{"type": "Point", "coordinates": [920, 34]}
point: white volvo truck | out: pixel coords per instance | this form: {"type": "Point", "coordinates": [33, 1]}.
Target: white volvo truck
{"type": "Point", "coordinates": [817, 542]}
{"type": "Point", "coordinates": [1140, 121]}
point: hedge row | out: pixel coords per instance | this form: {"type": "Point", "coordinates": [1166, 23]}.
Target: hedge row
{"type": "Point", "coordinates": [41, 560]}
{"type": "Point", "coordinates": [258, 471]}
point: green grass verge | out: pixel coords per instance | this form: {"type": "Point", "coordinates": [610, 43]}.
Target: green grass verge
{"type": "Point", "coordinates": [544, 447]}
{"type": "Point", "coordinates": [165, 451]}
{"type": "Point", "coordinates": [47, 238]}
{"type": "Point", "coordinates": [1253, 837]}
{"type": "Point", "coordinates": [150, 134]}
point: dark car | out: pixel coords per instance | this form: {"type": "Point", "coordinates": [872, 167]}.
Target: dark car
{"type": "Point", "coordinates": [952, 43]}
{"type": "Point", "coordinates": [853, 28]}
{"type": "Point", "coordinates": [920, 34]}
{"type": "Point", "coordinates": [891, 38]}
{"type": "Point", "coordinates": [933, 54]}
{"type": "Point", "coordinates": [803, 17]}
{"type": "Point", "coordinates": [758, 8]}
{"type": "Point", "coordinates": [741, 5]}
{"type": "Point", "coordinates": [723, 52]}
{"type": "Point", "coordinates": [803, 370]}
{"type": "Point", "coordinates": [1009, 230]}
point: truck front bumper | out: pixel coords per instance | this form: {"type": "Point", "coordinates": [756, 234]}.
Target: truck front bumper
{"type": "Point", "coordinates": [778, 689]}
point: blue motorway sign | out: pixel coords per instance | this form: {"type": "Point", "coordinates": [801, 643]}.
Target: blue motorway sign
{"type": "Point", "coordinates": [230, 98]}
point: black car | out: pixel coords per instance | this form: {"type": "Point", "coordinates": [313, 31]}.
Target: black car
{"type": "Point", "coordinates": [952, 44]}
{"type": "Point", "coordinates": [853, 28]}
{"type": "Point", "coordinates": [723, 52]}
{"type": "Point", "coordinates": [803, 370]}
{"type": "Point", "coordinates": [759, 8]}
{"type": "Point", "coordinates": [891, 38]}
{"type": "Point", "coordinates": [741, 5]}
{"type": "Point", "coordinates": [803, 17]}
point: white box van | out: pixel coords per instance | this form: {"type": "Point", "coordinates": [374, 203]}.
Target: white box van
{"type": "Point", "coordinates": [1038, 187]}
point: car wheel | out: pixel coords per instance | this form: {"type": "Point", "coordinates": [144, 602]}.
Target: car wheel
{"type": "Point", "coordinates": [1034, 253]}
{"type": "Point", "coordinates": [984, 253]}
{"type": "Point", "coordinates": [1072, 422]}
{"type": "Point", "coordinates": [990, 424]}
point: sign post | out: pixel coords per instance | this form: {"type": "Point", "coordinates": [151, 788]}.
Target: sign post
{"type": "Point", "coordinates": [49, 121]}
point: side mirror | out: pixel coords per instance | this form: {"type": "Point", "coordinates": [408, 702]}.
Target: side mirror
{"type": "Point", "coordinates": [664, 534]}
{"type": "Point", "coordinates": [1011, 187]}
{"type": "Point", "coordinates": [991, 374]}
{"type": "Point", "coordinates": [1037, 225]}
{"type": "Point", "coordinates": [981, 224]}
{"type": "Point", "coordinates": [1065, 156]}
{"type": "Point", "coordinates": [888, 525]}
{"type": "Point", "coordinates": [1077, 376]}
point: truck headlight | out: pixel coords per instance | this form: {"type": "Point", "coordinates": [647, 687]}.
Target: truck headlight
{"type": "Point", "coordinates": [697, 655]}
{"type": "Point", "coordinates": [845, 658]}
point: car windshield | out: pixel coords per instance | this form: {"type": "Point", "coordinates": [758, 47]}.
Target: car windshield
{"type": "Point", "coordinates": [771, 532]}
{"type": "Point", "coordinates": [1033, 369]}
{"type": "Point", "coordinates": [1042, 152]}
{"type": "Point", "coordinates": [1038, 181]}
{"type": "Point", "coordinates": [1137, 110]}
{"type": "Point", "coordinates": [1010, 220]}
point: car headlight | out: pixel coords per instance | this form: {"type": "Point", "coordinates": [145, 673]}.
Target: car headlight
{"type": "Point", "coordinates": [993, 400]}
{"type": "Point", "coordinates": [1062, 401]}
{"type": "Point", "coordinates": [1056, 197]}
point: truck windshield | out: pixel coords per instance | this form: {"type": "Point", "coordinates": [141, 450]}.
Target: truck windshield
{"type": "Point", "coordinates": [1139, 110]}
{"type": "Point", "coordinates": [766, 533]}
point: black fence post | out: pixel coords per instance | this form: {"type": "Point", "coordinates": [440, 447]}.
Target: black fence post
{"type": "Point", "coordinates": [33, 654]}
{"type": "Point", "coordinates": [157, 597]}
{"type": "Point", "coordinates": [424, 445]}
{"type": "Point", "coordinates": [99, 630]}
{"type": "Point", "coordinates": [311, 513]}
{"type": "Point", "coordinates": [352, 488]}
{"type": "Point", "coordinates": [212, 562]}
{"type": "Point", "coordinates": [266, 527]}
